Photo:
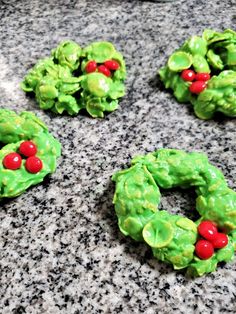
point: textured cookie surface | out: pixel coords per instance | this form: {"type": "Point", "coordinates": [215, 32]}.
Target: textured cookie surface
{"type": "Point", "coordinates": [173, 238]}
{"type": "Point", "coordinates": [203, 71]}
{"type": "Point", "coordinates": [14, 130]}
{"type": "Point", "coordinates": [74, 78]}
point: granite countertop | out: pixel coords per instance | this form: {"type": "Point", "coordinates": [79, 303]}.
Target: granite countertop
{"type": "Point", "coordinates": [60, 247]}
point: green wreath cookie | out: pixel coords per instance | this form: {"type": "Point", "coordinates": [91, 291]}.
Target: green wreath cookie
{"type": "Point", "coordinates": [29, 152]}
{"type": "Point", "coordinates": [177, 240]}
{"type": "Point", "coordinates": [203, 71]}
{"type": "Point", "coordinates": [74, 78]}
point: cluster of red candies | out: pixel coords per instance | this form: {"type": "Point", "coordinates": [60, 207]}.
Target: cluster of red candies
{"type": "Point", "coordinates": [213, 239]}
{"type": "Point", "coordinates": [199, 80]}
{"type": "Point", "coordinates": [105, 68]}
{"type": "Point", "coordinates": [27, 149]}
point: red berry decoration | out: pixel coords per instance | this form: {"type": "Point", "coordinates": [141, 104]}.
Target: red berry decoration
{"type": "Point", "coordinates": [188, 75]}
{"type": "Point", "coordinates": [28, 149]}
{"type": "Point", "coordinates": [112, 65]}
{"type": "Point", "coordinates": [204, 249]}
{"type": "Point", "coordinates": [207, 229]}
{"type": "Point", "coordinates": [103, 69]}
{"type": "Point", "coordinates": [12, 161]}
{"type": "Point", "coordinates": [220, 240]}
{"type": "Point", "coordinates": [197, 87]}
{"type": "Point", "coordinates": [91, 66]}
{"type": "Point", "coordinates": [202, 77]}
{"type": "Point", "coordinates": [33, 164]}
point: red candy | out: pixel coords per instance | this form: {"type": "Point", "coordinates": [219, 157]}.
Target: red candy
{"type": "Point", "coordinates": [220, 241]}
{"type": "Point", "coordinates": [28, 149]}
{"type": "Point", "coordinates": [207, 229]}
{"type": "Point", "coordinates": [103, 69]}
{"type": "Point", "coordinates": [202, 77]}
{"type": "Point", "coordinates": [112, 65]}
{"type": "Point", "coordinates": [204, 249]}
{"type": "Point", "coordinates": [197, 87]}
{"type": "Point", "coordinates": [33, 164]}
{"type": "Point", "coordinates": [12, 161]}
{"type": "Point", "coordinates": [188, 75]}
{"type": "Point", "coordinates": [91, 66]}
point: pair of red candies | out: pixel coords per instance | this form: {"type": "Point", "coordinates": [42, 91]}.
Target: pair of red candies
{"type": "Point", "coordinates": [213, 239]}
{"type": "Point", "coordinates": [28, 149]}
{"type": "Point", "coordinates": [105, 68]}
{"type": "Point", "coordinates": [199, 80]}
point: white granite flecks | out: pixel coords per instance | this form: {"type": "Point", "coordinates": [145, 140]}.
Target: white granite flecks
{"type": "Point", "coordinates": [60, 247]}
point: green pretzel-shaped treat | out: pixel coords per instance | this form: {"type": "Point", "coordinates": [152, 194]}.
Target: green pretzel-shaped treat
{"type": "Point", "coordinates": [74, 78]}
{"type": "Point", "coordinates": [29, 152]}
{"type": "Point", "coordinates": [173, 238]}
{"type": "Point", "coordinates": [203, 71]}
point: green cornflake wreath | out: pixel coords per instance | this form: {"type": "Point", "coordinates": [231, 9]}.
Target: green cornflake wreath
{"type": "Point", "coordinates": [19, 167]}
{"type": "Point", "coordinates": [74, 78]}
{"type": "Point", "coordinates": [172, 237]}
{"type": "Point", "coordinates": [203, 71]}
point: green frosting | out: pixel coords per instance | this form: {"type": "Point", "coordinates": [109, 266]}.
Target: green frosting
{"type": "Point", "coordinates": [14, 129]}
{"type": "Point", "coordinates": [213, 53]}
{"type": "Point", "coordinates": [136, 199]}
{"type": "Point", "coordinates": [61, 84]}
{"type": "Point", "coordinates": [199, 267]}
{"type": "Point", "coordinates": [178, 248]}
{"type": "Point", "coordinates": [68, 54]}
{"type": "Point", "coordinates": [173, 237]}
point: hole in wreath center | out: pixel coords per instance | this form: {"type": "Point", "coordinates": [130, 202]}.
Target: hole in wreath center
{"type": "Point", "coordinates": [179, 202]}
{"type": "Point", "coordinates": [2, 145]}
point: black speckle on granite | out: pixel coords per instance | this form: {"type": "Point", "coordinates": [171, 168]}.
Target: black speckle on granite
{"type": "Point", "coordinates": [61, 250]}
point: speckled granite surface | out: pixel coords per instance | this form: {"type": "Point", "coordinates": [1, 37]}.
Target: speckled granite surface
{"type": "Point", "coordinates": [61, 250]}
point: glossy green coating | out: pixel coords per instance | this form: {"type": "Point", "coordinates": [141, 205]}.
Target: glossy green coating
{"type": "Point", "coordinates": [54, 86]}
{"type": "Point", "coordinates": [179, 61]}
{"type": "Point", "coordinates": [97, 88]}
{"type": "Point", "coordinates": [199, 267]}
{"type": "Point", "coordinates": [14, 129]}
{"type": "Point", "coordinates": [172, 237]}
{"type": "Point", "coordinates": [68, 54]}
{"type": "Point", "coordinates": [61, 84]}
{"type": "Point", "coordinates": [136, 199]}
{"type": "Point", "coordinates": [179, 251]}
{"type": "Point", "coordinates": [220, 95]}
{"type": "Point", "coordinates": [213, 53]}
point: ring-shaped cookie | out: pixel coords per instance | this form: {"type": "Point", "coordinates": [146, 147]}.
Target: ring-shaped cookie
{"type": "Point", "coordinates": [73, 78]}
{"type": "Point", "coordinates": [173, 237]}
{"type": "Point", "coordinates": [203, 71]}
{"type": "Point", "coordinates": [14, 130]}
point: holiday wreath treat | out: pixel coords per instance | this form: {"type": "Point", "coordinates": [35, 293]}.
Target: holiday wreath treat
{"type": "Point", "coordinates": [74, 78]}
{"type": "Point", "coordinates": [203, 72]}
{"type": "Point", "coordinates": [198, 245]}
{"type": "Point", "coordinates": [29, 152]}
